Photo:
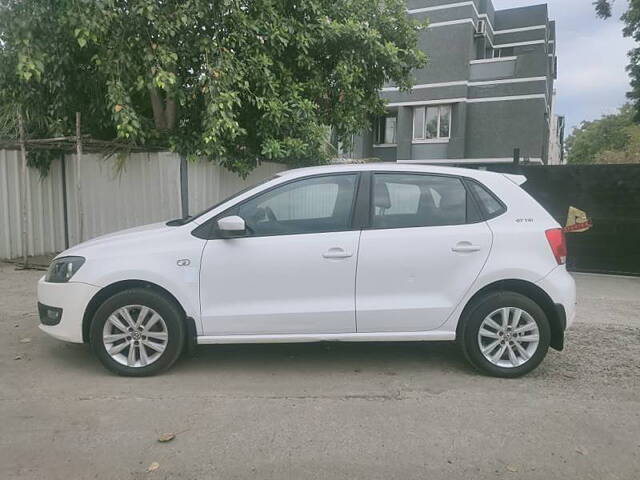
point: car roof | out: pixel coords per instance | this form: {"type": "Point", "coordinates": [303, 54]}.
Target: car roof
{"type": "Point", "coordinates": [396, 167]}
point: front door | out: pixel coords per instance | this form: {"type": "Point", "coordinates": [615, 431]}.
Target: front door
{"type": "Point", "coordinates": [294, 270]}
{"type": "Point", "coordinates": [424, 249]}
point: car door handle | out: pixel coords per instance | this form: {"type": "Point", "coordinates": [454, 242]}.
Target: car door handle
{"type": "Point", "coordinates": [466, 247]}
{"type": "Point", "coordinates": [337, 253]}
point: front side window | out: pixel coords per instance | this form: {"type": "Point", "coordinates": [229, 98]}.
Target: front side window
{"type": "Point", "coordinates": [311, 205]}
{"type": "Point", "coordinates": [385, 130]}
{"type": "Point", "coordinates": [432, 123]}
{"type": "Point", "coordinates": [417, 200]}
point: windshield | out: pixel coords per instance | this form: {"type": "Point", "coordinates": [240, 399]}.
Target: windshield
{"type": "Point", "coordinates": [231, 197]}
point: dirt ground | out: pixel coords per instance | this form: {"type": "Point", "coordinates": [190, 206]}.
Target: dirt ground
{"type": "Point", "coordinates": [343, 411]}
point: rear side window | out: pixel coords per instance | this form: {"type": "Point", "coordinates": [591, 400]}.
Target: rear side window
{"type": "Point", "coordinates": [417, 200]}
{"type": "Point", "coordinates": [491, 207]}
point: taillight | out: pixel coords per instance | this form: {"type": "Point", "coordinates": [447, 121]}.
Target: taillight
{"type": "Point", "coordinates": [558, 244]}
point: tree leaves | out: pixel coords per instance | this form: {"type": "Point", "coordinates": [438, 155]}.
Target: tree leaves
{"type": "Point", "coordinates": [610, 139]}
{"type": "Point", "coordinates": [603, 8]}
{"type": "Point", "coordinates": [631, 18]}
{"type": "Point", "coordinates": [237, 81]}
{"type": "Point", "coordinates": [166, 437]}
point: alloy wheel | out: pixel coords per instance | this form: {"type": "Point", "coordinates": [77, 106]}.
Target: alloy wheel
{"type": "Point", "coordinates": [508, 337]}
{"type": "Point", "coordinates": [135, 336]}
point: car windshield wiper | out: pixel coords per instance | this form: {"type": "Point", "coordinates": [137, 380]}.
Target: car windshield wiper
{"type": "Point", "coordinates": [178, 221]}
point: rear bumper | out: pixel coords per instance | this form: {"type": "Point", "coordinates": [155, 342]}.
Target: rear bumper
{"type": "Point", "coordinates": [70, 300]}
{"type": "Point", "coordinates": [561, 287]}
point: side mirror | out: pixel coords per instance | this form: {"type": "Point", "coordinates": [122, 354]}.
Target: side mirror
{"type": "Point", "coordinates": [232, 225]}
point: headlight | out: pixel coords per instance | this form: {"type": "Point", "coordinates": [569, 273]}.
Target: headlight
{"type": "Point", "coordinates": [62, 269]}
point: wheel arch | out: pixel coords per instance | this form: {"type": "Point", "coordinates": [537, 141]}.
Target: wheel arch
{"type": "Point", "coordinates": [103, 294]}
{"type": "Point", "coordinates": [555, 313]}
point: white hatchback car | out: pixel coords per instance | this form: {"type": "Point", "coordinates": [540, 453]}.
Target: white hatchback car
{"type": "Point", "coordinates": [377, 252]}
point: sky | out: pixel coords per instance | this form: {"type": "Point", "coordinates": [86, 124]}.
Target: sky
{"type": "Point", "coordinates": [592, 56]}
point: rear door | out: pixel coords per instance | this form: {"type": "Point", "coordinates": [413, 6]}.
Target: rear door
{"type": "Point", "coordinates": [424, 248]}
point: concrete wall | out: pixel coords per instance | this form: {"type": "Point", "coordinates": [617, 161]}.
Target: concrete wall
{"type": "Point", "coordinates": [385, 154]}
{"type": "Point", "coordinates": [449, 49]}
{"type": "Point", "coordinates": [494, 129]}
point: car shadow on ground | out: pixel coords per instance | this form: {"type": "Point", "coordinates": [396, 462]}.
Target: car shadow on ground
{"type": "Point", "coordinates": [328, 357]}
{"type": "Point", "coordinates": [389, 358]}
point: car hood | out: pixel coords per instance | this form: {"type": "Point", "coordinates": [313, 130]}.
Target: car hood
{"type": "Point", "coordinates": [121, 238]}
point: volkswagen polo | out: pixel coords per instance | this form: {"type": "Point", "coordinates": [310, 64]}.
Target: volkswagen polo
{"type": "Point", "coordinates": [358, 253]}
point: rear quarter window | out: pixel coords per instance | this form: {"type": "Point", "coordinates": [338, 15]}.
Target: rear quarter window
{"type": "Point", "coordinates": [489, 204]}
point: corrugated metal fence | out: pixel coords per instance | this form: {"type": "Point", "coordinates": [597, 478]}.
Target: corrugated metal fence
{"type": "Point", "coordinates": [45, 212]}
{"type": "Point", "coordinates": [209, 183]}
{"type": "Point", "coordinates": [146, 189]}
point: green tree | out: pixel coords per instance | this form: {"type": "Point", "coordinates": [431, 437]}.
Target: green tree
{"type": "Point", "coordinates": [631, 19]}
{"type": "Point", "coordinates": [237, 81]}
{"type": "Point", "coordinates": [610, 139]}
{"type": "Point", "coordinates": [630, 154]}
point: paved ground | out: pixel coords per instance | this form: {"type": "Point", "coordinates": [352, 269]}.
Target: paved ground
{"type": "Point", "coordinates": [405, 411]}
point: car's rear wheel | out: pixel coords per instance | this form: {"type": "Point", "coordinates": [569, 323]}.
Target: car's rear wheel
{"type": "Point", "coordinates": [505, 334]}
{"type": "Point", "coordinates": [137, 332]}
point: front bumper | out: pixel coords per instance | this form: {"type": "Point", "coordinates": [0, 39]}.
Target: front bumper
{"type": "Point", "coordinates": [72, 299]}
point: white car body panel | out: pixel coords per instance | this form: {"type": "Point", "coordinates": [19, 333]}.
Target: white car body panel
{"type": "Point", "coordinates": [147, 254]}
{"type": "Point", "coordinates": [295, 289]}
{"type": "Point", "coordinates": [282, 289]}
{"type": "Point", "coordinates": [411, 279]}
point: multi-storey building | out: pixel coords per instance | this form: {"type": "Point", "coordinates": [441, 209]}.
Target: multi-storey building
{"type": "Point", "coordinates": [486, 90]}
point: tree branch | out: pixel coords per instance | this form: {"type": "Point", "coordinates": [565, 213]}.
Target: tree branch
{"type": "Point", "coordinates": [603, 8]}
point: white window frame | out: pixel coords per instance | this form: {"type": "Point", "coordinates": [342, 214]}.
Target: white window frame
{"type": "Point", "coordinates": [423, 138]}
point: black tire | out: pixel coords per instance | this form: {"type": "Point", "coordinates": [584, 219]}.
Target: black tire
{"type": "Point", "coordinates": [166, 308]}
{"type": "Point", "coordinates": [475, 315]}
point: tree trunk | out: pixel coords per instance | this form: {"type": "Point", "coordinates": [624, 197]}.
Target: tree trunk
{"type": "Point", "coordinates": [171, 113]}
{"type": "Point", "coordinates": [165, 110]}
{"type": "Point", "coordinates": [158, 109]}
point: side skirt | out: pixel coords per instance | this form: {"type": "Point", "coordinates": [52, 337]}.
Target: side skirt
{"type": "Point", "coordinates": [331, 337]}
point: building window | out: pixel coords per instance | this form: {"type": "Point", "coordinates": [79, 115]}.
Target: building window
{"type": "Point", "coordinates": [431, 123]}
{"type": "Point", "coordinates": [385, 131]}
{"type": "Point", "coordinates": [504, 52]}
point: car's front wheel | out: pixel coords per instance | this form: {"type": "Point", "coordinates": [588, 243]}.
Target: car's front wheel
{"type": "Point", "coordinates": [505, 334]}
{"type": "Point", "coordinates": [137, 332]}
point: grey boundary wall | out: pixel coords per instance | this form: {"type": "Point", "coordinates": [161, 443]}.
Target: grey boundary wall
{"type": "Point", "coordinates": [609, 194]}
